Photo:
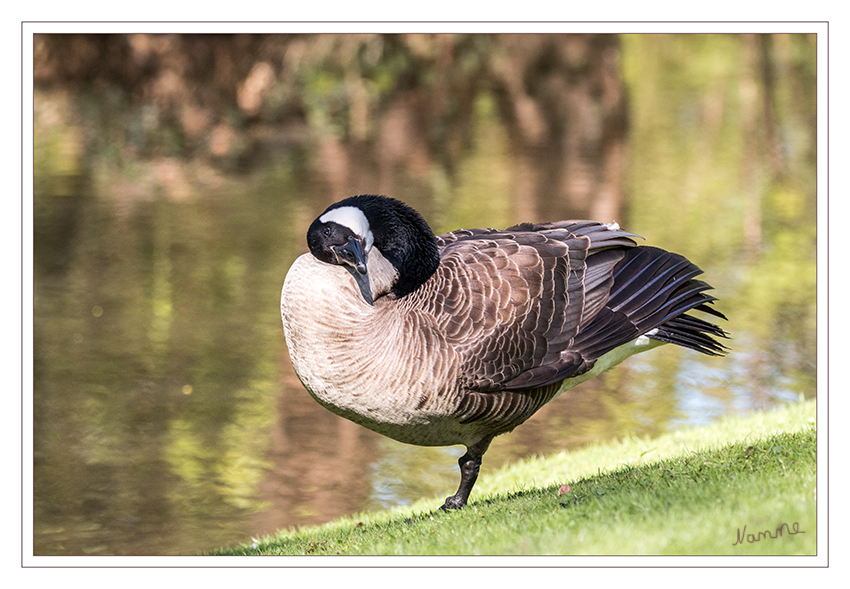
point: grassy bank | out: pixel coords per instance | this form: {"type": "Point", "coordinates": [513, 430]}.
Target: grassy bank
{"type": "Point", "coordinates": [742, 486]}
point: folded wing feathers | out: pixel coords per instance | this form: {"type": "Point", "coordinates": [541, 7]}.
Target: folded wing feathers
{"type": "Point", "coordinates": [553, 289]}
{"type": "Point", "coordinates": [537, 303]}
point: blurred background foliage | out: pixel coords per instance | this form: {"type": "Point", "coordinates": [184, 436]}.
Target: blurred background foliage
{"type": "Point", "coordinates": [175, 176]}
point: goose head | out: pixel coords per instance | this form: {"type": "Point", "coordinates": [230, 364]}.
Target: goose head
{"type": "Point", "coordinates": [348, 231]}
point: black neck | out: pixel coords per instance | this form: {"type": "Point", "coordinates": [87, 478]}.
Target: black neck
{"type": "Point", "coordinates": [402, 236]}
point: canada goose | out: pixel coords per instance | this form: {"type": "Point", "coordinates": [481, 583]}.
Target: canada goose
{"type": "Point", "coordinates": [455, 339]}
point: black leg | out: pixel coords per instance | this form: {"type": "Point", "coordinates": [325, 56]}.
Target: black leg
{"type": "Point", "coordinates": [469, 464]}
{"type": "Point", "coordinates": [468, 474]}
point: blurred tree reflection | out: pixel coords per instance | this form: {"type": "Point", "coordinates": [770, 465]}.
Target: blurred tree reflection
{"type": "Point", "coordinates": [239, 100]}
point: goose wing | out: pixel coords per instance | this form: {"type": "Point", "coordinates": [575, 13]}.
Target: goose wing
{"type": "Point", "coordinates": [534, 304]}
{"type": "Point", "coordinates": [512, 301]}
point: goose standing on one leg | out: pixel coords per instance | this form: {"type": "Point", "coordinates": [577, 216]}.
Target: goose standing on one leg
{"type": "Point", "coordinates": [456, 339]}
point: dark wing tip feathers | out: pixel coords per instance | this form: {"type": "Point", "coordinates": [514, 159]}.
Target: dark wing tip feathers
{"type": "Point", "coordinates": [654, 289]}
{"type": "Point", "coordinates": [693, 333]}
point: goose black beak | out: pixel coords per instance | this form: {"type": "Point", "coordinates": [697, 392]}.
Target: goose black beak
{"type": "Point", "coordinates": [352, 256]}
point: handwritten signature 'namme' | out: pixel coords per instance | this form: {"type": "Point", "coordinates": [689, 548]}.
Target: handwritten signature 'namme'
{"type": "Point", "coordinates": [743, 536]}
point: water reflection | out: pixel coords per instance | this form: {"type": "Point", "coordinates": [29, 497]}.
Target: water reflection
{"type": "Point", "coordinates": [168, 419]}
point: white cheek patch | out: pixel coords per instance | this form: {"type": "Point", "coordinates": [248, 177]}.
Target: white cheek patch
{"type": "Point", "coordinates": [354, 219]}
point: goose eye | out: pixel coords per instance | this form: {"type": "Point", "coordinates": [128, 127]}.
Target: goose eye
{"type": "Point", "coordinates": [327, 231]}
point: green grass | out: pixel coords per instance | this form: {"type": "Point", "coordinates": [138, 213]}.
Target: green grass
{"type": "Point", "coordinates": [689, 492]}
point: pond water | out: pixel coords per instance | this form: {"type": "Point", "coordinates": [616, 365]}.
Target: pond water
{"type": "Point", "coordinates": [167, 417]}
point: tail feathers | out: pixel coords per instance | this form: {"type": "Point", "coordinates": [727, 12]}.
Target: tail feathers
{"type": "Point", "coordinates": [652, 292]}
{"type": "Point", "coordinates": [693, 333]}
